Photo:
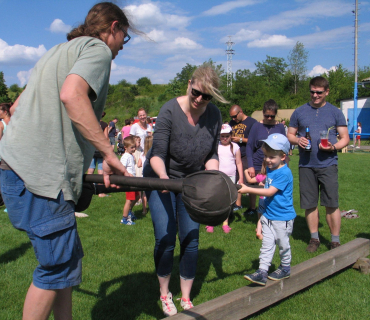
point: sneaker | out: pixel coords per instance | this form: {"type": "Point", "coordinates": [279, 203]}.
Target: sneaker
{"type": "Point", "coordinates": [351, 145]}
{"type": "Point", "coordinates": [186, 304]}
{"type": "Point", "coordinates": [226, 229]}
{"type": "Point", "coordinates": [236, 208]}
{"type": "Point", "coordinates": [131, 216]}
{"type": "Point", "coordinates": [334, 245]}
{"type": "Point", "coordinates": [209, 229]}
{"type": "Point", "coordinates": [313, 245]}
{"type": "Point", "coordinates": [250, 212]}
{"type": "Point", "coordinates": [127, 221]}
{"type": "Point", "coordinates": [259, 277]}
{"type": "Point", "coordinates": [279, 274]}
{"type": "Point", "coordinates": [357, 147]}
{"type": "Point", "coordinates": [168, 307]}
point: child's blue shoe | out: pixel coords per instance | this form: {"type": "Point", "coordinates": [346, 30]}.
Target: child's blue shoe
{"type": "Point", "coordinates": [259, 277]}
{"type": "Point", "coordinates": [127, 221]}
{"type": "Point", "coordinates": [5, 210]}
{"type": "Point", "coordinates": [279, 274]}
{"type": "Point", "coordinates": [131, 216]}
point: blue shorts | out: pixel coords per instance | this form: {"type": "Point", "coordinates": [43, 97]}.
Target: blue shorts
{"type": "Point", "coordinates": [51, 226]}
{"type": "Point", "coordinates": [95, 161]}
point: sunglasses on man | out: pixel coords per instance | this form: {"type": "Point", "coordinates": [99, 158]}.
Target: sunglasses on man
{"type": "Point", "coordinates": [317, 92]}
{"type": "Point", "coordinates": [269, 116]}
{"type": "Point", "coordinates": [234, 116]}
{"type": "Point", "coordinates": [197, 93]}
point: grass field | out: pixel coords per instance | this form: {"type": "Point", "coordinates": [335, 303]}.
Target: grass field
{"type": "Point", "coordinates": [119, 280]}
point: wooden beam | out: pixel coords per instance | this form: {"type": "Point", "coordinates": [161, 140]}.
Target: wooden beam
{"type": "Point", "coordinates": [247, 300]}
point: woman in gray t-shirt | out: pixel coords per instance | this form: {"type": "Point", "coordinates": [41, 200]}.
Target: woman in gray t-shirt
{"type": "Point", "coordinates": [185, 141]}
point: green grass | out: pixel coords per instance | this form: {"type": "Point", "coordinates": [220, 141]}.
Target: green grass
{"type": "Point", "coordinates": [119, 280]}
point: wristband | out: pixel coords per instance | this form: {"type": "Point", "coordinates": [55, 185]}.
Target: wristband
{"type": "Point", "coordinates": [335, 149]}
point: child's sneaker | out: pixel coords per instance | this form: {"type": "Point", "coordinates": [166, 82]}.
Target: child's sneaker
{"type": "Point", "coordinates": [236, 208]}
{"type": "Point", "coordinates": [127, 221]}
{"type": "Point", "coordinates": [259, 277]}
{"type": "Point", "coordinates": [279, 274]}
{"type": "Point", "coordinates": [186, 304]}
{"type": "Point", "coordinates": [226, 229]}
{"type": "Point", "coordinates": [168, 307]}
{"type": "Point", "coordinates": [131, 216]}
{"type": "Point", "coordinates": [209, 229]}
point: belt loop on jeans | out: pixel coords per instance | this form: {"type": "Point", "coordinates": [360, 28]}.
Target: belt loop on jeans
{"type": "Point", "coordinates": [4, 165]}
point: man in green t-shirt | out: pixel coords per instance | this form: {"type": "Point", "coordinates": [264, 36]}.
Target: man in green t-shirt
{"type": "Point", "coordinates": [66, 92]}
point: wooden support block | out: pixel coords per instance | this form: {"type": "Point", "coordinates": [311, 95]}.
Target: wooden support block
{"type": "Point", "coordinates": [345, 150]}
{"type": "Point", "coordinates": [363, 264]}
{"type": "Point", "coordinates": [247, 300]}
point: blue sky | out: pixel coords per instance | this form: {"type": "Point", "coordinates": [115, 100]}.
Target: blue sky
{"type": "Point", "coordinates": [191, 31]}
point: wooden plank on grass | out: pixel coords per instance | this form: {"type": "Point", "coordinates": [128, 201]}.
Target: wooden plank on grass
{"type": "Point", "coordinates": [245, 301]}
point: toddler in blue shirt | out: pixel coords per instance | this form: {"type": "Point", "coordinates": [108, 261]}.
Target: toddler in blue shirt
{"type": "Point", "coordinates": [278, 216]}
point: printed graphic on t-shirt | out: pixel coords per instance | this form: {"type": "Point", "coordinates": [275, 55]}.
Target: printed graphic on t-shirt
{"type": "Point", "coordinates": [238, 130]}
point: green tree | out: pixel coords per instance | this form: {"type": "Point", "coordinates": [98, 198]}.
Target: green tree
{"type": "Point", "coordinates": [3, 89]}
{"type": "Point", "coordinates": [14, 92]}
{"type": "Point", "coordinates": [143, 82]}
{"type": "Point", "coordinates": [272, 70]}
{"type": "Point", "coordinates": [297, 63]}
{"type": "Point", "coordinates": [341, 82]}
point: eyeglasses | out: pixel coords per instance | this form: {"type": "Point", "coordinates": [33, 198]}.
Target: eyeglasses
{"type": "Point", "coordinates": [197, 93]}
{"type": "Point", "coordinates": [234, 116]}
{"type": "Point", "coordinates": [126, 36]}
{"type": "Point", "coordinates": [269, 116]}
{"type": "Point", "coordinates": [317, 92]}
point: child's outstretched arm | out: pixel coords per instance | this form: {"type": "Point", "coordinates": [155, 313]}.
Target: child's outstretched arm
{"type": "Point", "coordinates": [250, 180]}
{"type": "Point", "coordinates": [262, 192]}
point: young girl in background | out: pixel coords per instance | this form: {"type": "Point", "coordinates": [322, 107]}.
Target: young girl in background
{"type": "Point", "coordinates": [148, 142]}
{"type": "Point", "coordinates": [259, 178]}
{"type": "Point", "coordinates": [229, 161]}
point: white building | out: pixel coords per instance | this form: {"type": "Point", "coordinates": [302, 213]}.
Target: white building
{"type": "Point", "coordinates": [363, 114]}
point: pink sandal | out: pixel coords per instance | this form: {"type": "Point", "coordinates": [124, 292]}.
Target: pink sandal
{"type": "Point", "coordinates": [226, 229]}
{"type": "Point", "coordinates": [209, 229]}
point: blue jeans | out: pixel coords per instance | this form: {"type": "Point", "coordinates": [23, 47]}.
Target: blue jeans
{"type": "Point", "coordinates": [96, 161]}
{"type": "Point", "coordinates": [169, 214]}
{"type": "Point", "coordinates": [51, 226]}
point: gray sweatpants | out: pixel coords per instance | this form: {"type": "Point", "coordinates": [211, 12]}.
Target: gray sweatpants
{"type": "Point", "coordinates": [275, 233]}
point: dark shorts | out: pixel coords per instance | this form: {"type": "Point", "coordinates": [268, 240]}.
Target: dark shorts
{"type": "Point", "coordinates": [112, 141]}
{"type": "Point", "coordinates": [245, 167]}
{"type": "Point", "coordinates": [315, 181]}
{"type": "Point", "coordinates": [51, 226]}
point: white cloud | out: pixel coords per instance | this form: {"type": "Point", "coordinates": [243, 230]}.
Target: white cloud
{"type": "Point", "coordinates": [19, 54]}
{"type": "Point", "coordinates": [228, 6]}
{"type": "Point", "coordinates": [155, 35]}
{"type": "Point", "coordinates": [58, 26]}
{"type": "Point", "coordinates": [23, 76]}
{"type": "Point", "coordinates": [319, 70]}
{"type": "Point", "coordinates": [149, 15]}
{"type": "Point", "coordinates": [271, 41]}
{"type": "Point", "coordinates": [244, 35]}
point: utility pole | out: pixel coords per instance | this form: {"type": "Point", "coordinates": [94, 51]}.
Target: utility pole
{"type": "Point", "coordinates": [355, 92]}
{"type": "Point", "coordinates": [230, 52]}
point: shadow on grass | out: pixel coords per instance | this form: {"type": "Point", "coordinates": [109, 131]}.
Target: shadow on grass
{"type": "Point", "coordinates": [301, 232]}
{"type": "Point", "coordinates": [133, 295]}
{"type": "Point", "coordinates": [15, 253]}
{"type": "Point", "coordinates": [363, 235]}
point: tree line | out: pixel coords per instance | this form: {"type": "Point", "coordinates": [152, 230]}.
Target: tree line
{"type": "Point", "coordinates": [284, 80]}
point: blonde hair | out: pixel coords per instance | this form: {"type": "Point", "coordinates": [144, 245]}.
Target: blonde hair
{"type": "Point", "coordinates": [263, 168]}
{"type": "Point", "coordinates": [148, 144]}
{"type": "Point", "coordinates": [129, 142]}
{"type": "Point", "coordinates": [207, 77]}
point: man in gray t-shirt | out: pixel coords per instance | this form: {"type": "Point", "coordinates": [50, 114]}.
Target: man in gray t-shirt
{"type": "Point", "coordinates": [318, 168]}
